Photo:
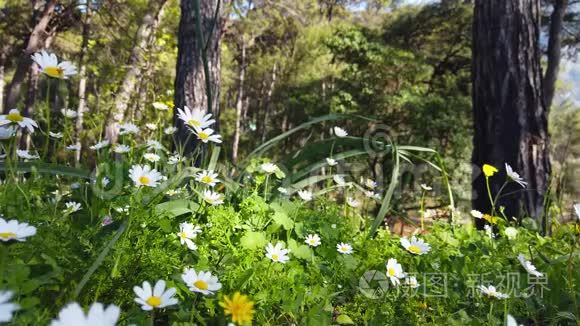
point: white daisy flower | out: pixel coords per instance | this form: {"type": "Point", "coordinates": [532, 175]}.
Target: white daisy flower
{"type": "Point", "coordinates": [128, 128]}
{"type": "Point", "coordinates": [68, 113]}
{"type": "Point", "coordinates": [276, 253]}
{"type": "Point", "coordinates": [283, 190]}
{"type": "Point", "coordinates": [426, 187]}
{"type": "Point", "coordinates": [577, 210]}
{"type": "Point", "coordinates": [202, 282]}
{"type": "Point", "coordinates": [352, 202]}
{"type": "Point", "coordinates": [7, 132]}
{"type": "Point", "coordinates": [207, 135]}
{"type": "Point", "coordinates": [120, 149]}
{"type": "Point", "coordinates": [73, 148]}
{"type": "Point", "coordinates": [71, 207]}
{"type": "Point", "coordinates": [476, 213]}
{"type": "Point", "coordinates": [339, 132]}
{"type": "Point", "coordinates": [143, 175]}
{"type": "Point", "coordinates": [160, 106]}
{"type": "Point", "coordinates": [528, 266]}
{"type": "Point", "coordinates": [195, 118]}
{"type": "Point", "coordinates": [15, 118]}
{"type": "Point", "coordinates": [151, 126]}
{"type": "Point", "coordinates": [415, 246]}
{"type": "Point", "coordinates": [305, 195]}
{"type": "Point", "coordinates": [24, 154]}
{"type": "Point", "coordinates": [331, 161]}
{"type": "Point", "coordinates": [155, 298]}
{"type": "Point", "coordinates": [344, 248]}
{"type": "Point", "coordinates": [394, 271]}
{"type": "Point", "coordinates": [212, 198]}
{"type": "Point", "coordinates": [411, 281]}
{"type": "Point", "coordinates": [73, 315]}
{"type": "Point", "coordinates": [12, 230]}
{"type": "Point", "coordinates": [151, 157]}
{"type": "Point", "coordinates": [207, 177]}
{"type": "Point", "coordinates": [169, 130]}
{"type": "Point", "coordinates": [100, 145]}
{"type": "Point", "coordinates": [491, 292]}
{"type": "Point", "coordinates": [50, 66]}
{"type": "Point", "coordinates": [515, 176]}
{"type": "Point", "coordinates": [55, 135]}
{"type": "Point", "coordinates": [153, 144]}
{"type": "Point", "coordinates": [188, 232]}
{"type": "Point", "coordinates": [174, 159]}
{"type": "Point", "coordinates": [511, 321]}
{"type": "Point", "coordinates": [313, 240]}
{"type": "Point", "coordinates": [6, 307]}
{"type": "Point", "coordinates": [339, 180]}
{"type": "Point", "coordinates": [269, 168]}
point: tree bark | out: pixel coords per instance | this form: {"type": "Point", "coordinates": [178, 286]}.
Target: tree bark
{"type": "Point", "coordinates": [190, 80]}
{"type": "Point", "coordinates": [509, 114]}
{"type": "Point", "coordinates": [82, 105]}
{"type": "Point", "coordinates": [268, 101]}
{"type": "Point", "coordinates": [554, 50]}
{"type": "Point", "coordinates": [143, 38]}
{"type": "Point", "coordinates": [2, 65]}
{"type": "Point", "coordinates": [34, 43]}
{"type": "Point", "coordinates": [239, 100]}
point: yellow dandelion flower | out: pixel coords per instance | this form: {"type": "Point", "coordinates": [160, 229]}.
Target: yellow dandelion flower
{"type": "Point", "coordinates": [240, 307]}
{"type": "Point", "coordinates": [491, 219]}
{"type": "Point", "coordinates": [489, 170]}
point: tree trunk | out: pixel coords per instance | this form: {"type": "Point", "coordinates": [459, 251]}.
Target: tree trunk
{"type": "Point", "coordinates": [554, 50]}
{"type": "Point", "coordinates": [143, 39]}
{"type": "Point", "coordinates": [2, 64]}
{"type": "Point", "coordinates": [268, 100]}
{"type": "Point", "coordinates": [190, 79]}
{"type": "Point", "coordinates": [82, 105]}
{"type": "Point", "coordinates": [35, 43]}
{"type": "Point", "coordinates": [510, 117]}
{"type": "Point", "coordinates": [239, 101]}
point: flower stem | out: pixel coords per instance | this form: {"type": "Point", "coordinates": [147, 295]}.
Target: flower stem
{"type": "Point", "coordinates": [422, 212]}
{"type": "Point", "coordinates": [492, 202]}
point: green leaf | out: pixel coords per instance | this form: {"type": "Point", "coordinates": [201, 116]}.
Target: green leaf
{"type": "Point", "coordinates": [253, 240]}
{"type": "Point", "coordinates": [299, 251]}
{"type": "Point", "coordinates": [344, 320]}
{"type": "Point", "coordinates": [283, 219]}
{"type": "Point", "coordinates": [176, 207]}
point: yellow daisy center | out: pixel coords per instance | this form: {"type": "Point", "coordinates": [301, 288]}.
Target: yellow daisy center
{"type": "Point", "coordinates": [206, 179]}
{"type": "Point", "coordinates": [203, 135]}
{"type": "Point", "coordinates": [311, 241]}
{"type": "Point", "coordinates": [182, 235]}
{"type": "Point", "coordinates": [415, 249]}
{"type": "Point", "coordinates": [7, 235]}
{"type": "Point", "coordinates": [14, 117]}
{"type": "Point", "coordinates": [391, 272]}
{"type": "Point", "coordinates": [275, 257]}
{"type": "Point", "coordinates": [194, 123]}
{"type": "Point", "coordinates": [200, 284]}
{"type": "Point", "coordinates": [144, 180]}
{"type": "Point", "coordinates": [154, 301]}
{"type": "Point", "coordinates": [55, 72]}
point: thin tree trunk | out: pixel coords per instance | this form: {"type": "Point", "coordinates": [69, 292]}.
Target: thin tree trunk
{"type": "Point", "coordinates": [2, 64]}
{"type": "Point", "coordinates": [143, 39]}
{"type": "Point", "coordinates": [268, 101]}
{"type": "Point", "coordinates": [82, 105]}
{"type": "Point", "coordinates": [239, 101]}
{"type": "Point", "coordinates": [510, 118]}
{"type": "Point", "coordinates": [35, 43]}
{"type": "Point", "coordinates": [554, 50]}
{"type": "Point", "coordinates": [190, 79]}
